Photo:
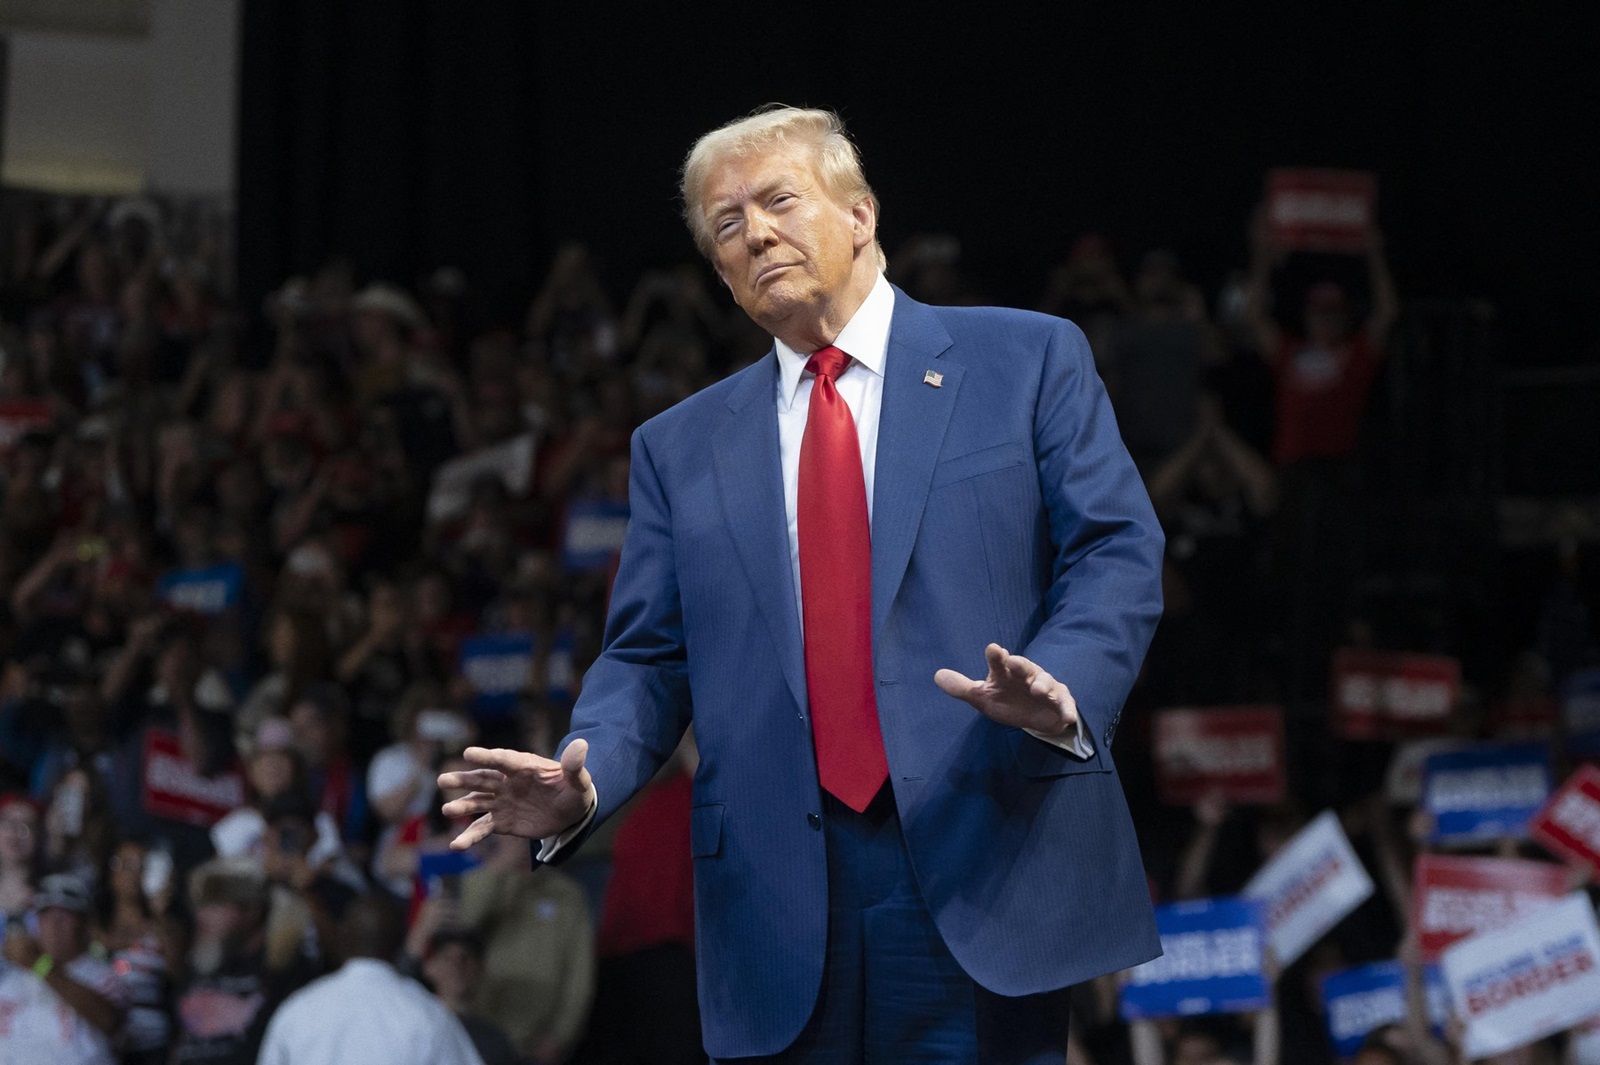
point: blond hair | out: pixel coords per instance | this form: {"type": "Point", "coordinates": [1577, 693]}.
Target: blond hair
{"type": "Point", "coordinates": [777, 125]}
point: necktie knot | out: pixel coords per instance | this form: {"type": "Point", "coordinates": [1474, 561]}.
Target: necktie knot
{"type": "Point", "coordinates": [828, 362]}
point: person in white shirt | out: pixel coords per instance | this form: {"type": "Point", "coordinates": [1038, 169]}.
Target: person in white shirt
{"type": "Point", "coordinates": [366, 1011]}
{"type": "Point", "coordinates": [58, 1003]}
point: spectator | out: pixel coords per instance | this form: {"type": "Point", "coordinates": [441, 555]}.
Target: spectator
{"type": "Point", "coordinates": [80, 1012]}
{"type": "Point", "coordinates": [539, 973]}
{"type": "Point", "coordinates": [400, 781]}
{"type": "Point", "coordinates": [320, 720]}
{"type": "Point", "coordinates": [452, 963]}
{"type": "Point", "coordinates": [239, 968]}
{"type": "Point", "coordinates": [21, 854]}
{"type": "Point", "coordinates": [366, 1011]}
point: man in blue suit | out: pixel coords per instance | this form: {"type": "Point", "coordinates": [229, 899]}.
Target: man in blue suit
{"type": "Point", "coordinates": [894, 861]}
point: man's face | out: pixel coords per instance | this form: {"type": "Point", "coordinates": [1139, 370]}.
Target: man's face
{"type": "Point", "coordinates": [61, 933]}
{"type": "Point", "coordinates": [780, 242]}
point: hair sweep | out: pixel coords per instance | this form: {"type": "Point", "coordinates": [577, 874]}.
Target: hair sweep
{"type": "Point", "coordinates": [767, 127]}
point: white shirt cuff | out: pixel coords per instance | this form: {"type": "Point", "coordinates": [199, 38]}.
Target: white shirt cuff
{"type": "Point", "coordinates": [1075, 741]}
{"type": "Point", "coordinates": [549, 845]}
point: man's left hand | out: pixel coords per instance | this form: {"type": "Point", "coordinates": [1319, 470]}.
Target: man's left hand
{"type": "Point", "coordinates": [1016, 692]}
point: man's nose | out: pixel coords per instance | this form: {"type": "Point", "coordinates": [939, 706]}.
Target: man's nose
{"type": "Point", "coordinates": [758, 231]}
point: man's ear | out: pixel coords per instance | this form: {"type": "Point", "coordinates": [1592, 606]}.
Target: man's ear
{"type": "Point", "coordinates": [864, 228]}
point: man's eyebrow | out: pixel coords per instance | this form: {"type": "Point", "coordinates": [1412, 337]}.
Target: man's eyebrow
{"type": "Point", "coordinates": [760, 192]}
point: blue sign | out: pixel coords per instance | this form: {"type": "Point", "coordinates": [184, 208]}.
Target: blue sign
{"type": "Point", "coordinates": [594, 532]}
{"type": "Point", "coordinates": [1364, 998]}
{"type": "Point", "coordinates": [208, 590]}
{"type": "Point", "coordinates": [1485, 792]}
{"type": "Point", "coordinates": [432, 868]}
{"type": "Point", "coordinates": [1212, 958]}
{"type": "Point", "coordinates": [499, 666]}
{"type": "Point", "coordinates": [1580, 711]}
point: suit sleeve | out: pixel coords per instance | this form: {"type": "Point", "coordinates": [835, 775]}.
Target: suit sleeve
{"type": "Point", "coordinates": [1104, 597]}
{"type": "Point", "coordinates": [634, 706]}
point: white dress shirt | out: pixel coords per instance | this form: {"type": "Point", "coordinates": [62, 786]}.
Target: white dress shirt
{"type": "Point", "coordinates": [365, 1012]}
{"type": "Point", "coordinates": [865, 338]}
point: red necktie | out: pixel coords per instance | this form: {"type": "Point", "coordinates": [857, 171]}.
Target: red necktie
{"type": "Point", "coordinates": [836, 593]}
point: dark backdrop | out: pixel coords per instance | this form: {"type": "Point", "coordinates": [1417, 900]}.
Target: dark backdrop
{"type": "Point", "coordinates": [413, 133]}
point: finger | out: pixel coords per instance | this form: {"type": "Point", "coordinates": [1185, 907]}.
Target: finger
{"type": "Point", "coordinates": [995, 655]}
{"type": "Point", "coordinates": [572, 760]}
{"type": "Point", "coordinates": [472, 780]}
{"type": "Point", "coordinates": [478, 802]}
{"type": "Point", "coordinates": [504, 760]}
{"type": "Point", "coordinates": [473, 833]}
{"type": "Point", "coordinates": [957, 684]}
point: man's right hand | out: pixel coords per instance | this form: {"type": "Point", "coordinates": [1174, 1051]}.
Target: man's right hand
{"type": "Point", "coordinates": [518, 794]}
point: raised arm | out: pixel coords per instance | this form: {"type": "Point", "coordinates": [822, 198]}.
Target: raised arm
{"type": "Point", "coordinates": [1257, 313]}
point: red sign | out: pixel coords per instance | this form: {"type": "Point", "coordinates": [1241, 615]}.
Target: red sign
{"type": "Point", "coordinates": [1385, 695]}
{"type": "Point", "coordinates": [1321, 210]}
{"type": "Point", "coordinates": [18, 417]}
{"type": "Point", "coordinates": [175, 789]}
{"type": "Point", "coordinates": [1569, 824]}
{"type": "Point", "coordinates": [1236, 749]}
{"type": "Point", "coordinates": [1525, 717]}
{"type": "Point", "coordinates": [1455, 897]}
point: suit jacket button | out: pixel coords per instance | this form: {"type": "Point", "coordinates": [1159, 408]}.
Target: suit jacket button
{"type": "Point", "coordinates": [814, 820]}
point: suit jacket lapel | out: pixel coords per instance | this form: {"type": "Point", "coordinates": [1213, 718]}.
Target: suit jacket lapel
{"type": "Point", "coordinates": [911, 429]}
{"type": "Point", "coordinates": [750, 482]}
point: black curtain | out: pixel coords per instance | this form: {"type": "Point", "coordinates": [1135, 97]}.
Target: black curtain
{"type": "Point", "coordinates": [400, 133]}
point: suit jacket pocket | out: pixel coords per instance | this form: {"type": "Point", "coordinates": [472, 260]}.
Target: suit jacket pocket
{"type": "Point", "coordinates": [1036, 758]}
{"type": "Point", "coordinates": [977, 463]}
{"type": "Point", "coordinates": [705, 830]}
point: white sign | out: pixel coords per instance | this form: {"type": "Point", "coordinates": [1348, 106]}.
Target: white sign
{"type": "Point", "coordinates": [1309, 886]}
{"type": "Point", "coordinates": [1521, 982]}
{"type": "Point", "coordinates": [1584, 1048]}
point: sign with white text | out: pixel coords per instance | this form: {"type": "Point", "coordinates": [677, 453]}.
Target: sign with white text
{"type": "Point", "coordinates": [593, 533]}
{"type": "Point", "coordinates": [1212, 961]}
{"type": "Point", "coordinates": [1569, 824]}
{"type": "Point", "coordinates": [1309, 886]}
{"type": "Point", "coordinates": [1454, 897]}
{"type": "Point", "coordinates": [1403, 779]}
{"type": "Point", "coordinates": [499, 666]}
{"type": "Point", "coordinates": [175, 789]}
{"type": "Point", "coordinates": [206, 590]}
{"type": "Point", "coordinates": [19, 417]}
{"type": "Point", "coordinates": [1321, 210]}
{"type": "Point", "coordinates": [1385, 695]}
{"type": "Point", "coordinates": [1485, 792]}
{"type": "Point", "coordinates": [1534, 977]}
{"type": "Point", "coordinates": [1237, 751]}
{"type": "Point", "coordinates": [1361, 999]}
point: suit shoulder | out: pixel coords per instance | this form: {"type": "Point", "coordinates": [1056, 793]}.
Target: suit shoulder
{"type": "Point", "coordinates": [690, 414]}
{"type": "Point", "coordinates": [967, 323]}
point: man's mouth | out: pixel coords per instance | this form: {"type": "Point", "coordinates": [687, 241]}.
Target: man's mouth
{"type": "Point", "coordinates": [768, 271]}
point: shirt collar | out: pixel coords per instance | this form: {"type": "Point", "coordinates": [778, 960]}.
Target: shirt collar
{"type": "Point", "coordinates": [865, 338]}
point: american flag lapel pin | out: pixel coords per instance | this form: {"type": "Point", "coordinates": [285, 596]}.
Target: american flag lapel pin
{"type": "Point", "coordinates": [934, 379]}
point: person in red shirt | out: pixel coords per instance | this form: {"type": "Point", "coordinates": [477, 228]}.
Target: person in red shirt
{"type": "Point", "coordinates": [1325, 376]}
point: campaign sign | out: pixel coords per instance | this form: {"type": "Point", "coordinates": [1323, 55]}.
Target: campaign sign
{"type": "Point", "coordinates": [1211, 962]}
{"type": "Point", "coordinates": [1580, 711]}
{"type": "Point", "coordinates": [1485, 792]}
{"type": "Point", "coordinates": [1454, 897]}
{"type": "Point", "coordinates": [207, 590]}
{"type": "Point", "coordinates": [1236, 750]}
{"type": "Point", "coordinates": [499, 666]}
{"type": "Point", "coordinates": [1384, 695]}
{"type": "Point", "coordinates": [433, 867]}
{"type": "Point", "coordinates": [1309, 886]}
{"type": "Point", "coordinates": [594, 532]}
{"type": "Point", "coordinates": [176, 790]}
{"type": "Point", "coordinates": [1364, 998]}
{"type": "Point", "coordinates": [1569, 824]}
{"type": "Point", "coordinates": [1536, 976]}
{"type": "Point", "coordinates": [1525, 717]}
{"type": "Point", "coordinates": [1321, 210]}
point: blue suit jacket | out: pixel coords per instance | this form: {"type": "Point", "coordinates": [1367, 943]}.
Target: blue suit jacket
{"type": "Point", "coordinates": [1006, 509]}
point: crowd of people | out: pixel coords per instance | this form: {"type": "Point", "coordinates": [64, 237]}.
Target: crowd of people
{"type": "Point", "coordinates": [256, 600]}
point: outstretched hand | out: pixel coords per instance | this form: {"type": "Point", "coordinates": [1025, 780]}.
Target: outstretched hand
{"type": "Point", "coordinates": [1016, 692]}
{"type": "Point", "coordinates": [518, 794]}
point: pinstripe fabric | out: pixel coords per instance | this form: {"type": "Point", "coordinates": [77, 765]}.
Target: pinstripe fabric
{"type": "Point", "coordinates": [1005, 509]}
